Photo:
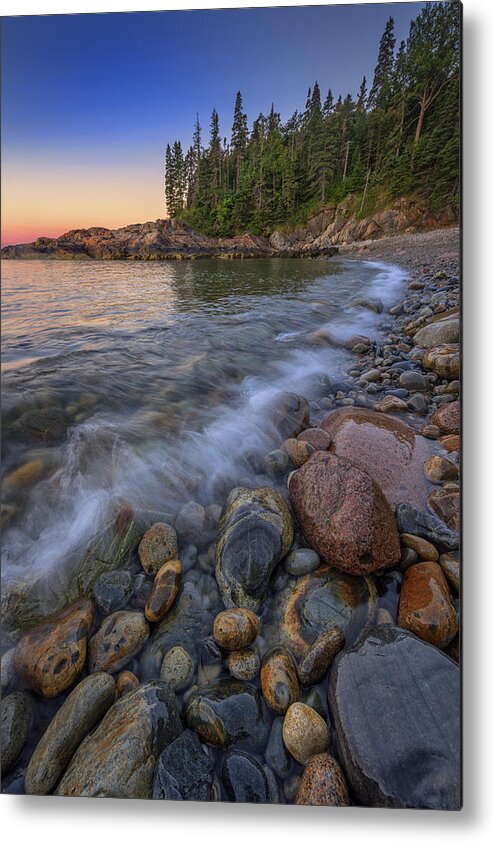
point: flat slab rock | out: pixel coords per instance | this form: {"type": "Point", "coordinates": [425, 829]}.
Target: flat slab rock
{"type": "Point", "coordinates": [395, 705]}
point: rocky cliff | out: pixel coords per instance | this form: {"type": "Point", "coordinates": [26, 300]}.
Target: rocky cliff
{"type": "Point", "coordinates": [169, 239]}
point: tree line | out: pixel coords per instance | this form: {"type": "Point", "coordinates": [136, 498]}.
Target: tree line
{"type": "Point", "coordinates": [396, 137]}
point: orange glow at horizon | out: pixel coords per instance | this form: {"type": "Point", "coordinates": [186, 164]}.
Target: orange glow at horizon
{"type": "Point", "coordinates": [47, 201]}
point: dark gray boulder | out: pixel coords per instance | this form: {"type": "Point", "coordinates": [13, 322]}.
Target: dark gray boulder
{"type": "Point", "coordinates": [185, 770]}
{"type": "Point", "coordinates": [395, 704]}
{"type": "Point", "coordinates": [430, 527]}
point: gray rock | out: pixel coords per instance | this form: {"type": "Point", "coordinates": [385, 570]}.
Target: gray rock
{"type": "Point", "coordinates": [16, 724]}
{"type": "Point", "coordinates": [430, 527]}
{"type": "Point", "coordinates": [79, 714]}
{"type": "Point", "coordinates": [418, 403]}
{"type": "Point", "coordinates": [276, 462]}
{"type": "Point", "coordinates": [117, 760]}
{"type": "Point", "coordinates": [254, 533]}
{"type": "Point", "coordinates": [177, 669]}
{"type": "Point", "coordinates": [395, 704]}
{"type": "Point", "coordinates": [113, 590]}
{"type": "Point", "coordinates": [190, 523]}
{"type": "Point", "coordinates": [276, 753]}
{"type": "Point", "coordinates": [414, 381]}
{"type": "Point", "coordinates": [187, 767]}
{"type": "Point", "coordinates": [443, 332]}
{"type": "Point", "coordinates": [244, 779]}
{"type": "Point", "coordinates": [7, 670]}
{"type": "Point", "coordinates": [120, 636]}
{"type": "Point", "coordinates": [225, 712]}
{"type": "Point", "coordinates": [301, 561]}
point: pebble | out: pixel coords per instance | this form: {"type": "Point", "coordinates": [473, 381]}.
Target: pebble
{"type": "Point", "coordinates": [413, 381]}
{"type": "Point", "coordinates": [236, 628]}
{"type": "Point", "coordinates": [244, 778]}
{"type": "Point", "coordinates": [322, 784]}
{"type": "Point", "coordinates": [319, 439]}
{"type": "Point", "coordinates": [158, 545]}
{"type": "Point", "coordinates": [184, 770]}
{"type": "Point", "coordinates": [276, 463]}
{"type": "Point", "coordinates": [190, 522]}
{"type": "Point", "coordinates": [120, 636]}
{"type": "Point", "coordinates": [224, 712]}
{"type": "Point", "coordinates": [301, 561]}
{"type": "Point", "coordinates": [297, 451]}
{"type": "Point", "coordinates": [305, 732]}
{"type": "Point", "coordinates": [425, 605]}
{"type": "Point", "coordinates": [164, 591]}
{"type": "Point", "coordinates": [424, 550]}
{"type": "Point", "coordinates": [177, 669]}
{"type": "Point", "coordinates": [125, 682]}
{"type": "Point", "coordinates": [279, 679]}
{"type": "Point", "coordinates": [450, 565]}
{"type": "Point", "coordinates": [244, 664]}
{"type": "Point", "coordinates": [438, 469]}
{"type": "Point", "coordinates": [113, 590]}
{"type": "Point", "coordinates": [277, 756]}
{"type": "Point", "coordinates": [290, 788]}
{"type": "Point", "coordinates": [314, 666]}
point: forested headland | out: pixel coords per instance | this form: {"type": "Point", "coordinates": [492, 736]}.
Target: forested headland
{"type": "Point", "coordinates": [398, 135]}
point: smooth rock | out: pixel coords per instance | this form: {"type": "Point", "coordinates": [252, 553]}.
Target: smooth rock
{"type": "Point", "coordinates": [279, 679]}
{"type": "Point", "coordinates": [322, 784]}
{"type": "Point", "coordinates": [117, 760]}
{"type": "Point", "coordinates": [244, 778]}
{"type": "Point", "coordinates": [255, 532]}
{"type": "Point", "coordinates": [80, 713]}
{"type": "Point", "coordinates": [276, 463]}
{"type": "Point", "coordinates": [451, 443]}
{"type": "Point", "coordinates": [190, 522]}
{"type": "Point", "coordinates": [125, 682]}
{"type": "Point", "coordinates": [344, 515]}
{"type": "Point", "coordinates": [277, 756]}
{"type": "Point", "coordinates": [319, 439]}
{"type": "Point", "coordinates": [244, 664]}
{"type": "Point", "coordinates": [315, 664]}
{"type": "Point", "coordinates": [447, 418]}
{"type": "Point", "coordinates": [301, 561]}
{"type": "Point", "coordinates": [391, 759]}
{"type": "Point", "coordinates": [424, 549]}
{"type": "Point", "coordinates": [158, 545]}
{"type": "Point", "coordinates": [290, 414]}
{"type": "Point", "coordinates": [16, 723]}
{"type": "Point", "coordinates": [450, 565]}
{"type": "Point", "coordinates": [113, 590]}
{"type": "Point", "coordinates": [427, 526]}
{"type": "Point", "coordinates": [120, 636]}
{"type": "Point", "coordinates": [177, 669]}
{"type": "Point", "coordinates": [51, 655]}
{"type": "Point", "coordinates": [386, 448]}
{"type": "Point", "coordinates": [190, 766]}
{"type": "Point", "coordinates": [425, 605]}
{"type": "Point", "coordinates": [444, 360]}
{"type": "Point", "coordinates": [227, 712]}
{"type": "Point", "coordinates": [164, 592]}
{"type": "Point", "coordinates": [391, 404]}
{"type": "Point", "coordinates": [442, 332]}
{"type": "Point", "coordinates": [297, 451]}
{"type": "Point", "coordinates": [305, 733]}
{"type": "Point", "coordinates": [236, 628]}
{"type": "Point", "coordinates": [414, 381]}
{"type": "Point", "coordinates": [445, 502]}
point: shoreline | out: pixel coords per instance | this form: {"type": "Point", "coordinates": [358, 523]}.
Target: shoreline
{"type": "Point", "coordinates": [397, 398]}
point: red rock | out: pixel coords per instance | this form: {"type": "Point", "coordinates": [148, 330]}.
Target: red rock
{"type": "Point", "coordinates": [319, 439]}
{"type": "Point", "coordinates": [451, 443]}
{"type": "Point", "coordinates": [425, 605]}
{"type": "Point", "coordinates": [445, 503]}
{"type": "Point", "coordinates": [344, 515]}
{"type": "Point", "coordinates": [447, 418]}
{"type": "Point", "coordinates": [387, 449]}
{"type": "Point", "coordinates": [322, 784]}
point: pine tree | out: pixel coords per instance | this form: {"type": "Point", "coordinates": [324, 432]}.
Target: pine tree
{"type": "Point", "coordinates": [381, 87]}
{"type": "Point", "coordinates": [240, 135]}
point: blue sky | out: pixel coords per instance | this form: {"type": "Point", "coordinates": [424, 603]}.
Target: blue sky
{"type": "Point", "coordinates": [95, 98]}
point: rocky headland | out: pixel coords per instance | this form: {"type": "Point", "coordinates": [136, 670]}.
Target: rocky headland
{"type": "Point", "coordinates": [310, 654]}
{"type": "Point", "coordinates": [172, 239]}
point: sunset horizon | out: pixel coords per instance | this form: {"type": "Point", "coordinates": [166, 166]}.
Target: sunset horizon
{"type": "Point", "coordinates": [91, 153]}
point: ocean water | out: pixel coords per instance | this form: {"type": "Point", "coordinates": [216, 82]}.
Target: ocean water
{"type": "Point", "coordinates": [165, 374]}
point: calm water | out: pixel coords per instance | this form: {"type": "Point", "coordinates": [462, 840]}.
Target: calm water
{"type": "Point", "coordinates": [165, 373]}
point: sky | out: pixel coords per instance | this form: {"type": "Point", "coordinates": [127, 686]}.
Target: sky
{"type": "Point", "coordinates": [90, 101]}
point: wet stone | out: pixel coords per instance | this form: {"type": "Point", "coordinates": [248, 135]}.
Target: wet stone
{"type": "Point", "coordinates": [113, 590]}
{"type": "Point", "coordinates": [244, 779]}
{"type": "Point", "coordinates": [236, 628]}
{"type": "Point", "coordinates": [450, 565]}
{"type": "Point", "coordinates": [427, 526]}
{"type": "Point", "coordinates": [322, 784]}
{"type": "Point", "coordinates": [279, 679]}
{"type": "Point", "coordinates": [305, 732]}
{"type": "Point", "coordinates": [177, 669]}
{"type": "Point", "coordinates": [80, 713]}
{"type": "Point", "coordinates": [445, 502]}
{"type": "Point", "coordinates": [301, 561]}
{"type": "Point", "coordinates": [184, 770]}
{"type": "Point", "coordinates": [319, 439]}
{"type": "Point", "coordinates": [297, 451]}
{"type": "Point", "coordinates": [164, 591]}
{"type": "Point", "coordinates": [16, 724]}
{"type": "Point", "coordinates": [117, 760]}
{"type": "Point", "coordinates": [244, 664]}
{"type": "Point", "coordinates": [125, 682]}
{"type": "Point", "coordinates": [390, 760]}
{"type": "Point", "coordinates": [425, 606]}
{"type": "Point", "coordinates": [120, 636]}
{"type": "Point", "coordinates": [226, 712]}
{"type": "Point", "coordinates": [51, 655]}
{"type": "Point", "coordinates": [314, 666]}
{"type": "Point", "coordinates": [438, 469]}
{"type": "Point", "coordinates": [424, 550]}
{"type": "Point", "coordinates": [158, 545]}
{"type": "Point", "coordinates": [276, 463]}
